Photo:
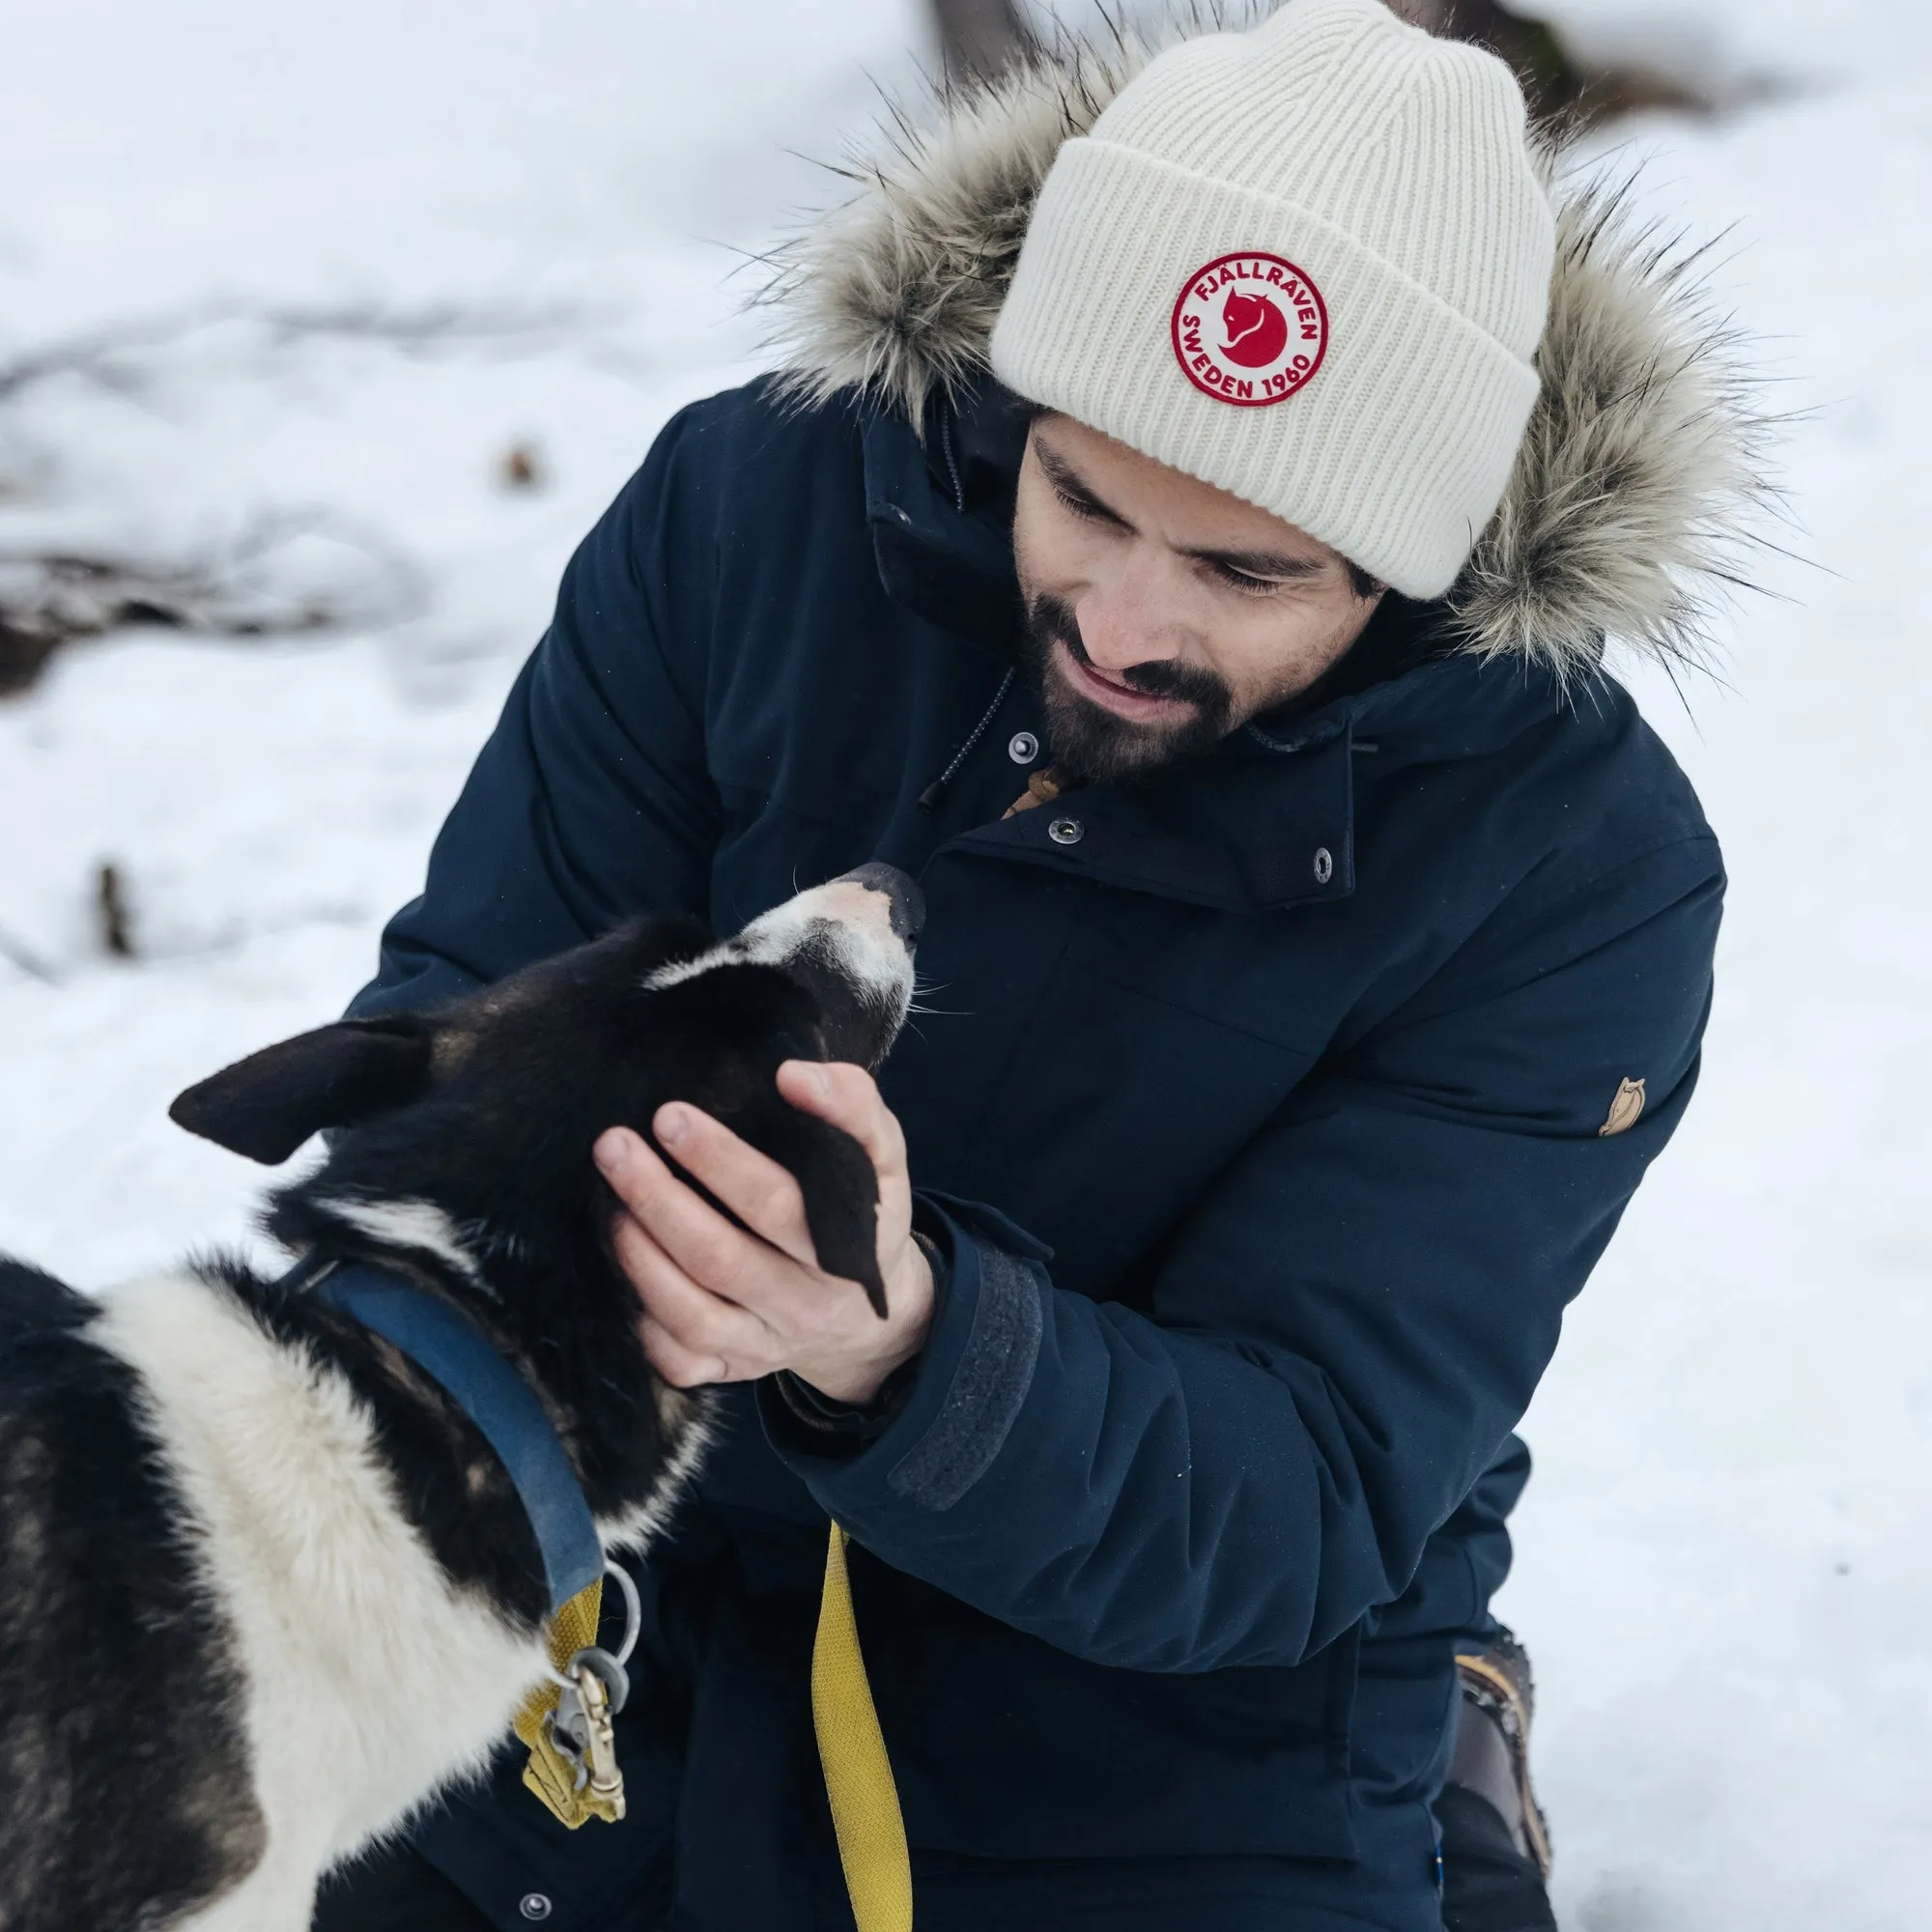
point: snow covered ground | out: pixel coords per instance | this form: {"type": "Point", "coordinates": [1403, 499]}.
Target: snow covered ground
{"type": "Point", "coordinates": [309, 273]}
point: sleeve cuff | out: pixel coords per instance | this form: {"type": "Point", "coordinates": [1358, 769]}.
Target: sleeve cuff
{"type": "Point", "coordinates": [825, 1426]}
{"type": "Point", "coordinates": [969, 1387]}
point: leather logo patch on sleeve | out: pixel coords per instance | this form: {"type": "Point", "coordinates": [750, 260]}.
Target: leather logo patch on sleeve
{"type": "Point", "coordinates": [1625, 1108]}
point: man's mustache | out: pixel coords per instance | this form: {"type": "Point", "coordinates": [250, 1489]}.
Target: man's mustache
{"type": "Point", "coordinates": [1160, 677]}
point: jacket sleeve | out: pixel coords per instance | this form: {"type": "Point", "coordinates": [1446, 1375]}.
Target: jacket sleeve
{"type": "Point", "coordinates": [590, 801]}
{"type": "Point", "coordinates": [1341, 1335]}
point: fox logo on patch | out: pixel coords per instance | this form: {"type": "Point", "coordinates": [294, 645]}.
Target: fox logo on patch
{"type": "Point", "coordinates": [1255, 331]}
{"type": "Point", "coordinates": [1249, 328]}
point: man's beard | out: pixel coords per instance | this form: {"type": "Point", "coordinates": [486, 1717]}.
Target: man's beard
{"type": "Point", "coordinates": [1086, 740]}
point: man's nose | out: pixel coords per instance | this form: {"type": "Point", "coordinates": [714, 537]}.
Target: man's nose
{"type": "Point", "coordinates": [1123, 624]}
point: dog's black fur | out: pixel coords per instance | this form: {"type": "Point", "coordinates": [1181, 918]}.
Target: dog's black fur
{"type": "Point", "coordinates": [112, 1649]}
{"type": "Point", "coordinates": [124, 1790]}
{"type": "Point", "coordinates": [489, 1111]}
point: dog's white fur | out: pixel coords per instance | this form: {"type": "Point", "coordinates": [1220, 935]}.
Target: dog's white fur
{"type": "Point", "coordinates": [420, 1225]}
{"type": "Point", "coordinates": [851, 921]}
{"type": "Point", "coordinates": [370, 1680]}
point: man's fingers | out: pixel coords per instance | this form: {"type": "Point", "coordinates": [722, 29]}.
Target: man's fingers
{"type": "Point", "coordinates": [704, 1325]}
{"type": "Point", "coordinates": [696, 1236]}
{"type": "Point", "coordinates": [676, 1363]}
{"type": "Point", "coordinates": [763, 1195]}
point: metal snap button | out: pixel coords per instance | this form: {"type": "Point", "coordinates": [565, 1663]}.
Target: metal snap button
{"type": "Point", "coordinates": [1324, 864]}
{"type": "Point", "coordinates": [1022, 748]}
{"type": "Point", "coordinates": [1067, 831]}
{"type": "Point", "coordinates": [533, 1905]}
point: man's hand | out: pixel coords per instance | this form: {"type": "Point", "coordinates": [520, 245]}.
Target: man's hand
{"type": "Point", "coordinates": [723, 1304]}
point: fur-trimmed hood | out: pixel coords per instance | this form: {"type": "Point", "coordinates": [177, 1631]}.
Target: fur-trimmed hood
{"type": "Point", "coordinates": [1640, 476]}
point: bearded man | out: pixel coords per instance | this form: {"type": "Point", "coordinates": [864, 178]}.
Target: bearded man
{"type": "Point", "coordinates": [1185, 536]}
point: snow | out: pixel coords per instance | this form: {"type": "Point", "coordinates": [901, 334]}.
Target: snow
{"type": "Point", "coordinates": [351, 256]}
{"type": "Point", "coordinates": [301, 280]}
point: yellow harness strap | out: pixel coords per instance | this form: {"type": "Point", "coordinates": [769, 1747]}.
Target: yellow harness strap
{"type": "Point", "coordinates": [858, 1772]}
{"type": "Point", "coordinates": [851, 1749]}
{"type": "Point", "coordinates": [551, 1775]}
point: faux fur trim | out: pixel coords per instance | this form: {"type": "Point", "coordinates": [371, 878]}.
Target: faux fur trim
{"type": "Point", "coordinates": [896, 292]}
{"type": "Point", "coordinates": [1642, 484]}
{"type": "Point", "coordinates": [1641, 478]}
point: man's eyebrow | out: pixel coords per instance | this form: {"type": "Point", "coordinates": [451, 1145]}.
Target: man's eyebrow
{"type": "Point", "coordinates": [1279, 564]}
{"type": "Point", "coordinates": [1064, 477]}
{"type": "Point", "coordinates": [1262, 563]}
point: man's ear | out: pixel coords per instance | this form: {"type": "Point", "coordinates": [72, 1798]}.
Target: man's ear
{"type": "Point", "coordinates": [267, 1105]}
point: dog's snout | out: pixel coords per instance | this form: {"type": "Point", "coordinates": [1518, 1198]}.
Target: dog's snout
{"type": "Point", "coordinates": [850, 940]}
{"type": "Point", "coordinates": [901, 892]}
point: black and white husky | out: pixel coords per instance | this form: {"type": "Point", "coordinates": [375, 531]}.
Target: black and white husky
{"type": "Point", "coordinates": [264, 1586]}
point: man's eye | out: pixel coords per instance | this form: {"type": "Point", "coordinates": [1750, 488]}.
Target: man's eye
{"type": "Point", "coordinates": [1082, 506]}
{"type": "Point", "coordinates": [1239, 580]}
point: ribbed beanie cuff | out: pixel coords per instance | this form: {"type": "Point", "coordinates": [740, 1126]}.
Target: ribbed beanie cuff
{"type": "Point", "coordinates": [1408, 254]}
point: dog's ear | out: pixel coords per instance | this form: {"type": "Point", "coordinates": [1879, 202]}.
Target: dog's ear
{"type": "Point", "coordinates": [267, 1105]}
{"type": "Point", "coordinates": [842, 1191]}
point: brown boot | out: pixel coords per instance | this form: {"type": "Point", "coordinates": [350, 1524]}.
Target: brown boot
{"type": "Point", "coordinates": [1495, 1846]}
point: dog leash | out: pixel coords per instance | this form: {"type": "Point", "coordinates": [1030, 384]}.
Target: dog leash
{"type": "Point", "coordinates": [858, 1784]}
{"type": "Point", "coordinates": [566, 1722]}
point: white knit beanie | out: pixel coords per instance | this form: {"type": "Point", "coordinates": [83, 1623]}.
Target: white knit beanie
{"type": "Point", "coordinates": [1308, 264]}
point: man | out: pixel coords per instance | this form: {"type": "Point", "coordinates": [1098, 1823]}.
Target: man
{"type": "Point", "coordinates": [1185, 537]}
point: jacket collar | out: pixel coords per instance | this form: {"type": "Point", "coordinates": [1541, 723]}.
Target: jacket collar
{"type": "Point", "coordinates": [1242, 831]}
{"type": "Point", "coordinates": [1265, 822]}
{"type": "Point", "coordinates": [940, 508]}
{"type": "Point", "coordinates": [1268, 822]}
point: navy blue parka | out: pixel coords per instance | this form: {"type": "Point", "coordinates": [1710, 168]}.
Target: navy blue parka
{"type": "Point", "coordinates": [1258, 1109]}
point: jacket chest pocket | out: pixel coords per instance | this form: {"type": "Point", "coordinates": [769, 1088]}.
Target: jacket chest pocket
{"type": "Point", "coordinates": [1101, 1070]}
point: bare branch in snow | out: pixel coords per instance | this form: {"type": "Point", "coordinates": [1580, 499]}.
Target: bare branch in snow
{"type": "Point", "coordinates": [282, 576]}
{"type": "Point", "coordinates": [93, 355]}
{"type": "Point", "coordinates": [110, 900]}
{"type": "Point", "coordinates": [1560, 86]}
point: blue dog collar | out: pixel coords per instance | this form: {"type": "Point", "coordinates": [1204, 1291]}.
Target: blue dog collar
{"type": "Point", "coordinates": [454, 1352]}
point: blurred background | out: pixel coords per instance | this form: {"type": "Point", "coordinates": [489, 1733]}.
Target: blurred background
{"type": "Point", "coordinates": [326, 331]}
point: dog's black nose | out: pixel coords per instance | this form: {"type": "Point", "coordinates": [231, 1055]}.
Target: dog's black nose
{"type": "Point", "coordinates": [902, 889]}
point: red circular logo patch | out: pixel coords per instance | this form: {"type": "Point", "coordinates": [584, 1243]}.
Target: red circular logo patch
{"type": "Point", "coordinates": [1249, 328]}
